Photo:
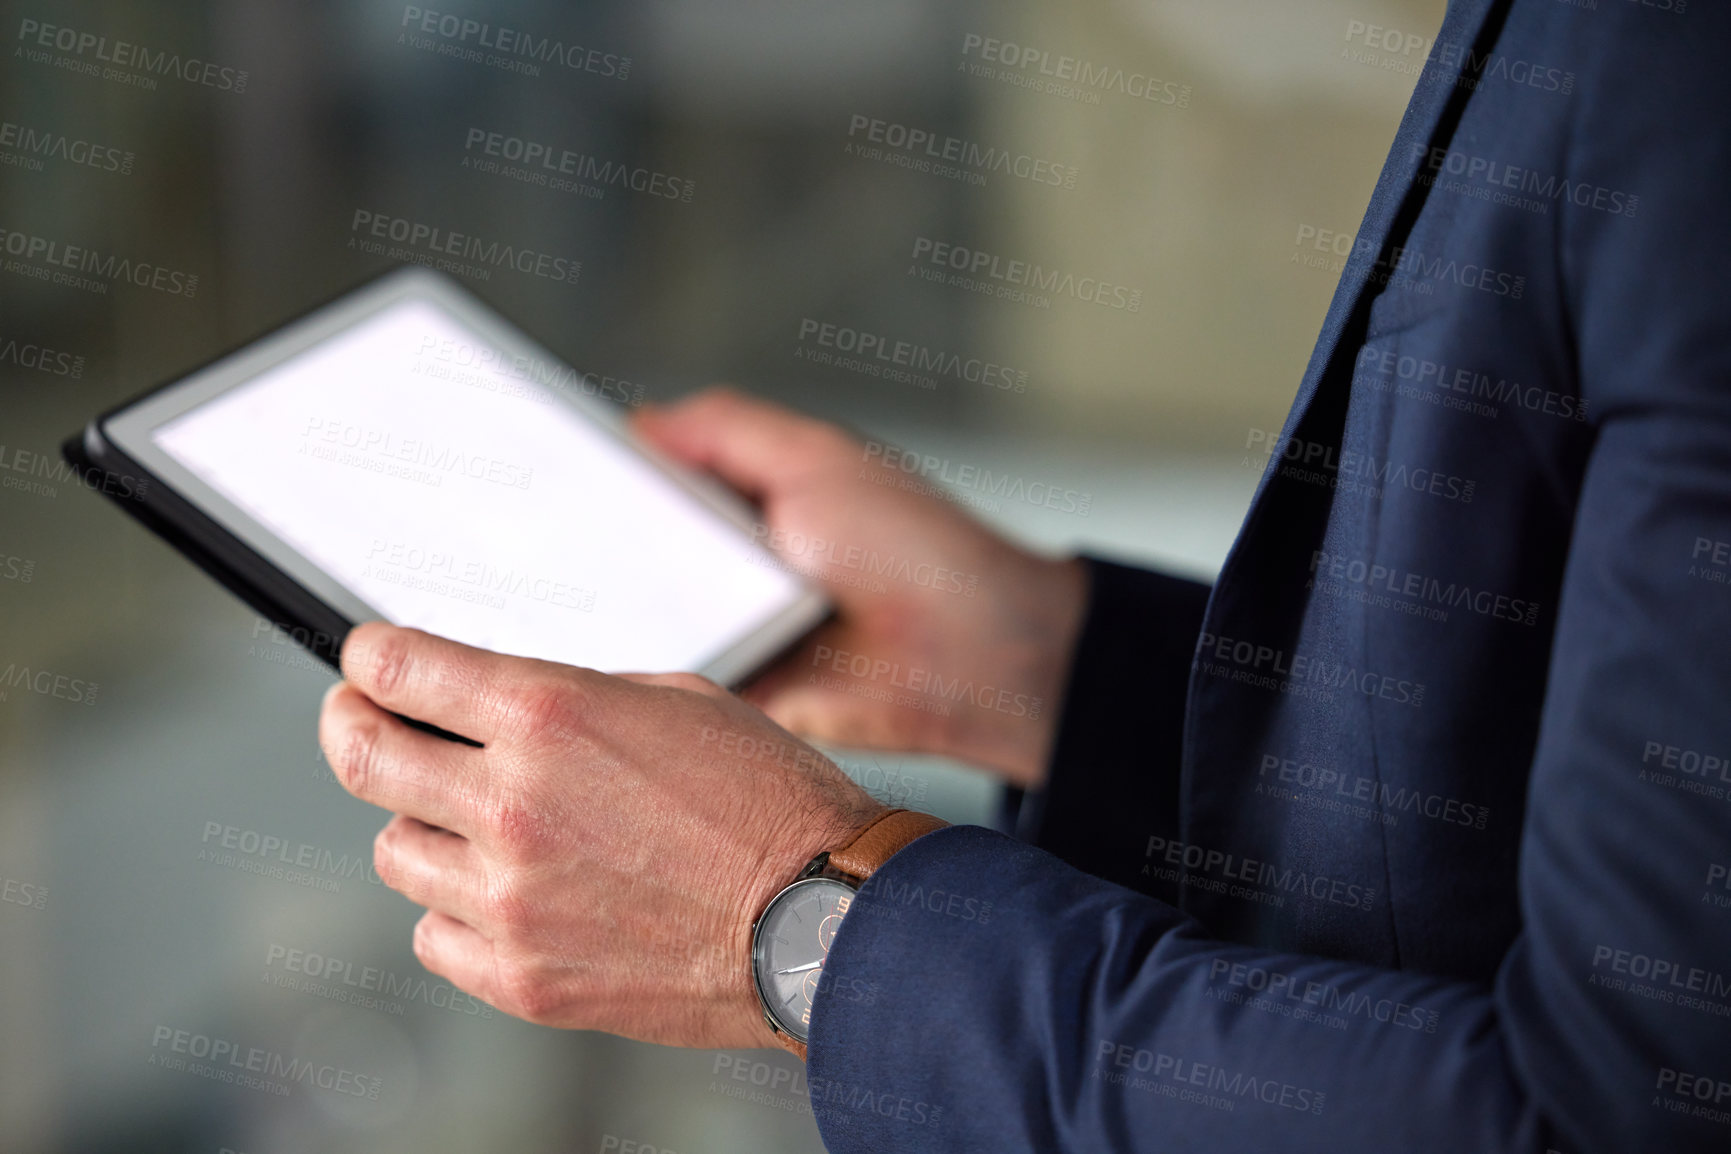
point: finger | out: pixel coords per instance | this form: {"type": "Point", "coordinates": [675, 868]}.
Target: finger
{"type": "Point", "coordinates": [691, 682]}
{"type": "Point", "coordinates": [431, 867]}
{"type": "Point", "coordinates": [434, 679]}
{"type": "Point", "coordinates": [457, 952]}
{"type": "Point", "coordinates": [799, 662]}
{"type": "Point", "coordinates": [381, 760]}
{"type": "Point", "coordinates": [790, 696]}
{"type": "Point", "coordinates": [823, 715]}
{"type": "Point", "coordinates": [754, 446]}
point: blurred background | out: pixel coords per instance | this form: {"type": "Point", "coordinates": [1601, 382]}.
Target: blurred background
{"type": "Point", "coordinates": [174, 853]}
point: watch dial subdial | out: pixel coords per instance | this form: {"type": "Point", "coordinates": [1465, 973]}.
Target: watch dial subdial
{"type": "Point", "coordinates": [792, 944]}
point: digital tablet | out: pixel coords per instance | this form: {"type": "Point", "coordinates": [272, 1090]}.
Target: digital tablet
{"type": "Point", "coordinates": [407, 455]}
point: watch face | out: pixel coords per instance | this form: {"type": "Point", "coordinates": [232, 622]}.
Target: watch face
{"type": "Point", "coordinates": [791, 944]}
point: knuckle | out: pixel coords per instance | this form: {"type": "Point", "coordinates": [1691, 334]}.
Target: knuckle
{"type": "Point", "coordinates": [693, 682]}
{"type": "Point", "coordinates": [385, 855]}
{"type": "Point", "coordinates": [504, 907]}
{"type": "Point", "coordinates": [421, 942]}
{"type": "Point", "coordinates": [516, 824]}
{"type": "Point", "coordinates": [360, 759]}
{"type": "Point", "coordinates": [525, 993]}
{"type": "Point", "coordinates": [544, 708]}
{"type": "Point", "coordinates": [389, 663]}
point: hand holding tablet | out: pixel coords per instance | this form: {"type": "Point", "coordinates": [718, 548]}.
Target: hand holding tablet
{"type": "Point", "coordinates": [405, 454]}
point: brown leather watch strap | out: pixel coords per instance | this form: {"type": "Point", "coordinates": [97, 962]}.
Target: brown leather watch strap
{"type": "Point", "coordinates": [875, 844]}
{"type": "Point", "coordinates": [861, 857]}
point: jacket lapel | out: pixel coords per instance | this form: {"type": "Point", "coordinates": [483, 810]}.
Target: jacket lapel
{"type": "Point", "coordinates": [1289, 514]}
{"type": "Point", "coordinates": [1459, 33]}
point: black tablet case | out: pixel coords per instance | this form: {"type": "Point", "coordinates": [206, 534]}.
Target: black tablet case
{"type": "Point", "coordinates": [309, 621]}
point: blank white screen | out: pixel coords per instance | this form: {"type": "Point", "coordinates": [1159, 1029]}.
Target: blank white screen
{"type": "Point", "coordinates": [455, 499]}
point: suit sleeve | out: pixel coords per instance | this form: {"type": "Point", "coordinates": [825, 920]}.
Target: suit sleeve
{"type": "Point", "coordinates": [983, 995]}
{"type": "Point", "coordinates": [1115, 760]}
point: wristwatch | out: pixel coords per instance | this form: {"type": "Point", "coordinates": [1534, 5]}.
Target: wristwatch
{"type": "Point", "coordinates": [790, 940]}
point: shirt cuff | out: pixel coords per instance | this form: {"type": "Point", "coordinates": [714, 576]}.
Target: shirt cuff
{"type": "Point", "coordinates": [1114, 774]}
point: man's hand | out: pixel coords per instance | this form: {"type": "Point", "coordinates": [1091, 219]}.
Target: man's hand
{"type": "Point", "coordinates": [598, 862]}
{"type": "Point", "coordinates": [947, 638]}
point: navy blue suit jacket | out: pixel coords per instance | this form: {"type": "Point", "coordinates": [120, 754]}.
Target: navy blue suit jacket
{"type": "Point", "coordinates": [1412, 833]}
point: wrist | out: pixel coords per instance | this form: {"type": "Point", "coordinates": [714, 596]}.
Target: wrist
{"type": "Point", "coordinates": [791, 937]}
{"type": "Point", "coordinates": [1013, 728]}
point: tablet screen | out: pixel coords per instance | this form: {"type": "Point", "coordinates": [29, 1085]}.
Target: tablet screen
{"type": "Point", "coordinates": [451, 488]}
